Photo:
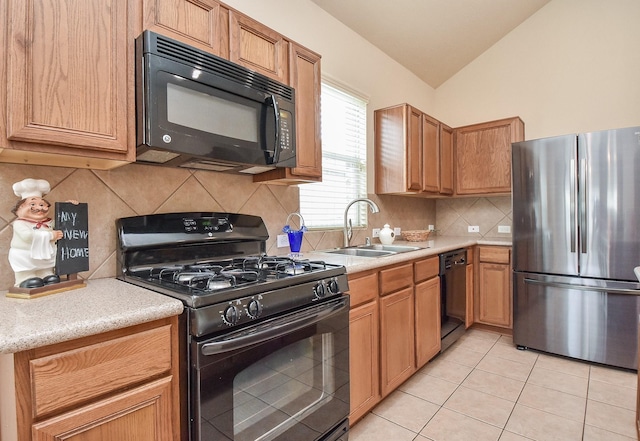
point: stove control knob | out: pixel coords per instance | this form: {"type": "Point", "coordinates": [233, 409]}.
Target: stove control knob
{"type": "Point", "coordinates": [254, 309]}
{"type": "Point", "coordinates": [333, 286]}
{"type": "Point", "coordinates": [231, 315]}
{"type": "Point", "coordinates": [319, 290]}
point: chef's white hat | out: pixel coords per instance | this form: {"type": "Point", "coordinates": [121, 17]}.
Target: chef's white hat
{"type": "Point", "coordinates": [31, 187]}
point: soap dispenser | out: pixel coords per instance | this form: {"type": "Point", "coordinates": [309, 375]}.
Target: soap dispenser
{"type": "Point", "coordinates": [386, 235]}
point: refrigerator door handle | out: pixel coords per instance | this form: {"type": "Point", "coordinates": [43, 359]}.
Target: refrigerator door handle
{"type": "Point", "coordinates": [572, 215]}
{"type": "Point", "coordinates": [633, 292]}
{"type": "Point", "coordinates": [583, 205]}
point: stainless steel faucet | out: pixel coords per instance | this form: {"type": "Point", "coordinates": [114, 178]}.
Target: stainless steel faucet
{"type": "Point", "coordinates": [347, 230]}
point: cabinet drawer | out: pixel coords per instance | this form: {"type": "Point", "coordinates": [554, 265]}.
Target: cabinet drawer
{"type": "Point", "coordinates": [75, 376]}
{"type": "Point", "coordinates": [363, 289]}
{"type": "Point", "coordinates": [396, 278]}
{"type": "Point", "coordinates": [426, 269]}
{"type": "Point", "coordinates": [495, 254]}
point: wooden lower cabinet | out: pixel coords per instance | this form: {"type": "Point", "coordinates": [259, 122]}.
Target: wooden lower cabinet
{"type": "Point", "coordinates": [118, 385]}
{"type": "Point", "coordinates": [141, 414]}
{"type": "Point", "coordinates": [397, 339]}
{"type": "Point", "coordinates": [427, 310]}
{"type": "Point", "coordinates": [495, 306]}
{"type": "Point", "coordinates": [363, 359]}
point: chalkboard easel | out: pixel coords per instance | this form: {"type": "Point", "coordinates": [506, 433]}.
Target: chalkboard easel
{"type": "Point", "coordinates": [72, 254]}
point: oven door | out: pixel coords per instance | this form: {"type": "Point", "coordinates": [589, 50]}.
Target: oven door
{"type": "Point", "coordinates": [286, 378]}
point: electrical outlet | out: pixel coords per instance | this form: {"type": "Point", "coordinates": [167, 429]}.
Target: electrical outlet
{"type": "Point", "coordinates": [474, 229]}
{"type": "Point", "coordinates": [375, 232]}
{"type": "Point", "coordinates": [431, 228]}
{"type": "Point", "coordinates": [504, 229]}
{"type": "Point", "coordinates": [397, 231]}
{"type": "Point", "coordinates": [282, 241]}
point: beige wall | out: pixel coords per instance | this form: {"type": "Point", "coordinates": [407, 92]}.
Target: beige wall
{"type": "Point", "coordinates": [574, 66]}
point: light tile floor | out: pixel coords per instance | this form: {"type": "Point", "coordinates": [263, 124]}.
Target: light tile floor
{"type": "Point", "coordinates": [483, 388]}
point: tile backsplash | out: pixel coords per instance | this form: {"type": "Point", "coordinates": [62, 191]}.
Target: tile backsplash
{"type": "Point", "coordinates": [140, 189]}
{"type": "Point", "coordinates": [455, 215]}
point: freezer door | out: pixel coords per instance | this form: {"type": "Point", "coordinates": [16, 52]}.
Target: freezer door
{"type": "Point", "coordinates": [544, 205]}
{"type": "Point", "coordinates": [588, 319]}
{"type": "Point", "coordinates": [609, 171]}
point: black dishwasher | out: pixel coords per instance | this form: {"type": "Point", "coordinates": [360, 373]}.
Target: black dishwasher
{"type": "Point", "coordinates": [453, 295]}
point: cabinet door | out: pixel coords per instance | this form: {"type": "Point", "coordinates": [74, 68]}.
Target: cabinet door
{"type": "Point", "coordinates": [200, 23]}
{"type": "Point", "coordinates": [257, 47]}
{"type": "Point", "coordinates": [141, 414]}
{"type": "Point", "coordinates": [363, 359]}
{"type": "Point", "coordinates": [397, 337]}
{"type": "Point", "coordinates": [495, 295]}
{"type": "Point", "coordinates": [305, 77]}
{"type": "Point", "coordinates": [414, 150]}
{"type": "Point", "coordinates": [431, 154]}
{"type": "Point", "coordinates": [483, 156]}
{"type": "Point", "coordinates": [468, 318]}
{"type": "Point", "coordinates": [427, 320]}
{"type": "Point", "coordinates": [446, 159]}
{"type": "Point", "coordinates": [70, 67]}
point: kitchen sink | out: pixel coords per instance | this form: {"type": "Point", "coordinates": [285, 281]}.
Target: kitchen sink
{"type": "Point", "coordinates": [372, 250]}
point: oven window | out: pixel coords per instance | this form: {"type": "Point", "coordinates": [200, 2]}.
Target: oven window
{"type": "Point", "coordinates": [295, 387]}
{"type": "Point", "coordinates": [208, 113]}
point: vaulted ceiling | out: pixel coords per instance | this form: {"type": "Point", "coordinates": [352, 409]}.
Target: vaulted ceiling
{"type": "Point", "coordinates": [432, 38]}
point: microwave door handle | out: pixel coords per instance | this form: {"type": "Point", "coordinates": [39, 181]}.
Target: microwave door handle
{"type": "Point", "coordinates": [276, 114]}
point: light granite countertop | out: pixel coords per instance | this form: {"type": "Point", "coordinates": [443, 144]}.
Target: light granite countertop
{"type": "Point", "coordinates": [109, 304]}
{"type": "Point", "coordinates": [432, 247]}
{"type": "Point", "coordinates": [103, 305]}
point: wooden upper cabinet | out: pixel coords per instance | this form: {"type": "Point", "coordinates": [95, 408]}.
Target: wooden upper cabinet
{"type": "Point", "coordinates": [305, 77]}
{"type": "Point", "coordinates": [408, 152]}
{"type": "Point", "coordinates": [70, 67]}
{"type": "Point", "coordinates": [446, 159]}
{"type": "Point", "coordinates": [201, 23]}
{"type": "Point", "coordinates": [430, 154]}
{"type": "Point", "coordinates": [483, 156]}
{"type": "Point", "coordinates": [257, 47]}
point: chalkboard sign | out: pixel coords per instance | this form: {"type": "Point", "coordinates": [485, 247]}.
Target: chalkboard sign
{"type": "Point", "coordinates": [73, 249]}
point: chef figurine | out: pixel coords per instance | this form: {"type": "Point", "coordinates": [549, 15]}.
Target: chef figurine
{"type": "Point", "coordinates": [32, 253]}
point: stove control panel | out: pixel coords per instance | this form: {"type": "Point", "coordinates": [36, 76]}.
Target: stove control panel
{"type": "Point", "coordinates": [206, 225]}
{"type": "Point", "coordinates": [245, 310]}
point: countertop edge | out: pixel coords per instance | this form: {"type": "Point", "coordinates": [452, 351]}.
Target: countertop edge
{"type": "Point", "coordinates": [103, 305]}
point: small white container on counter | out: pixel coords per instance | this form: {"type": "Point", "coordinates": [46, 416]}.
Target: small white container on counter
{"type": "Point", "coordinates": [386, 235]}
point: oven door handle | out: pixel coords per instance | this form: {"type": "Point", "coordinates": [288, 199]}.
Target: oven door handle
{"type": "Point", "coordinates": [273, 329]}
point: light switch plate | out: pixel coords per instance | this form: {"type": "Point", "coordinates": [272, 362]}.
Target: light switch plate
{"type": "Point", "coordinates": [397, 231]}
{"type": "Point", "coordinates": [504, 229]}
{"type": "Point", "coordinates": [474, 229]}
{"type": "Point", "coordinates": [282, 241]}
{"type": "Point", "coordinates": [375, 232]}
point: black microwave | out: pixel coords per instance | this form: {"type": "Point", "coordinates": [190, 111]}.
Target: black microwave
{"type": "Point", "coordinates": [197, 110]}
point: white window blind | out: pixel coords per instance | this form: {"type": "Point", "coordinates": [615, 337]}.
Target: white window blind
{"type": "Point", "coordinates": [344, 162]}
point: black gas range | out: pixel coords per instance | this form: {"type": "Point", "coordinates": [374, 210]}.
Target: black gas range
{"type": "Point", "coordinates": [237, 297]}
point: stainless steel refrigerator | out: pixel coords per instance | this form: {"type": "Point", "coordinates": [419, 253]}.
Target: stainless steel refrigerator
{"type": "Point", "coordinates": [576, 241]}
